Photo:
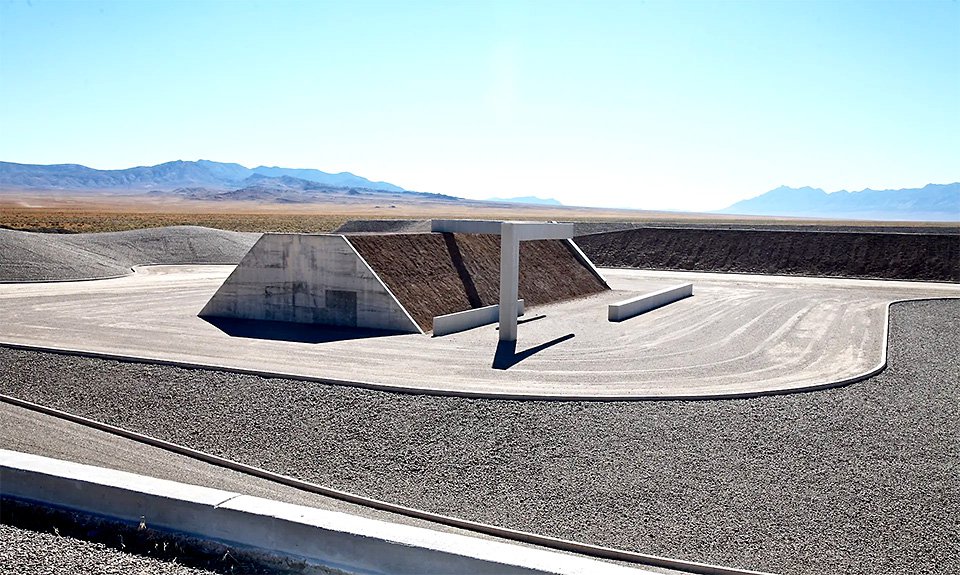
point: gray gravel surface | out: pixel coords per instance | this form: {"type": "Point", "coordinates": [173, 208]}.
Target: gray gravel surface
{"type": "Point", "coordinates": [28, 256]}
{"type": "Point", "coordinates": [860, 479]}
{"type": "Point", "coordinates": [26, 552]}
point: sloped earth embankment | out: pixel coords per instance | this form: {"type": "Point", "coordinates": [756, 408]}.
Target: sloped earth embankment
{"type": "Point", "coordinates": [858, 479]}
{"type": "Point", "coordinates": [28, 256]}
{"type": "Point", "coordinates": [926, 257]}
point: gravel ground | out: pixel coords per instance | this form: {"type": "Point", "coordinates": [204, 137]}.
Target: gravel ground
{"type": "Point", "coordinates": [28, 256]}
{"type": "Point", "coordinates": [26, 552]}
{"type": "Point", "coordinates": [860, 479]}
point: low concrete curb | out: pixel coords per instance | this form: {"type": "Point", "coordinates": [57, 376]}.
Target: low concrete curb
{"type": "Point", "coordinates": [628, 308]}
{"type": "Point", "coordinates": [322, 539]}
{"type": "Point", "coordinates": [469, 319]}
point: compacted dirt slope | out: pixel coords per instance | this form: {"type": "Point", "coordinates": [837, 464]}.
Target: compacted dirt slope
{"type": "Point", "coordinates": [28, 256]}
{"type": "Point", "coordinates": [927, 257]}
{"type": "Point", "coordinates": [436, 274]}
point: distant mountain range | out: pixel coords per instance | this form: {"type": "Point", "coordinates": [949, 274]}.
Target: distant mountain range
{"type": "Point", "coordinates": [933, 202]}
{"type": "Point", "coordinates": [171, 175]}
{"type": "Point", "coordinates": [290, 190]}
{"type": "Point", "coordinates": [533, 200]}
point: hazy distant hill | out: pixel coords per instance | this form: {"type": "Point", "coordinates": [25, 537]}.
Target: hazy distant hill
{"type": "Point", "coordinates": [167, 176]}
{"type": "Point", "coordinates": [288, 189]}
{"type": "Point", "coordinates": [528, 200]}
{"type": "Point", "coordinates": [933, 202]}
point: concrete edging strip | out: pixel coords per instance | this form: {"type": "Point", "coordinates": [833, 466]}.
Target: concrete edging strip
{"type": "Point", "coordinates": [469, 319]}
{"type": "Point", "coordinates": [318, 537]}
{"type": "Point", "coordinates": [578, 253]}
{"type": "Point", "coordinates": [511, 534]}
{"type": "Point", "coordinates": [635, 306]}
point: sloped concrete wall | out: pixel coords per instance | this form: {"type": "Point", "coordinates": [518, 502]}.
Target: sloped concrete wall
{"type": "Point", "coordinates": [316, 279]}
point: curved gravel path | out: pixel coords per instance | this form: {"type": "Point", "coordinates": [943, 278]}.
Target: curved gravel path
{"type": "Point", "coordinates": [860, 479]}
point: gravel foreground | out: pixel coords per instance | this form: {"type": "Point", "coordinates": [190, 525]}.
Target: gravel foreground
{"type": "Point", "coordinates": [860, 479]}
{"type": "Point", "coordinates": [27, 552]}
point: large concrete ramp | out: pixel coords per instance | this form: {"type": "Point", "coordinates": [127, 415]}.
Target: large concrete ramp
{"type": "Point", "coordinates": [315, 279]}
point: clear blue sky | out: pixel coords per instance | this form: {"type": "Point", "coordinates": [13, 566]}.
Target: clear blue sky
{"type": "Point", "coordinates": [684, 105]}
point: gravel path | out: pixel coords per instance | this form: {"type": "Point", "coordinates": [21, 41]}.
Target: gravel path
{"type": "Point", "coordinates": [28, 256]}
{"type": "Point", "coordinates": [26, 552]}
{"type": "Point", "coordinates": [861, 479]}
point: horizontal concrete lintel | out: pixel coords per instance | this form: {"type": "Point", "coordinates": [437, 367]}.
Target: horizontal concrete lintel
{"type": "Point", "coordinates": [469, 319]}
{"type": "Point", "coordinates": [320, 538]}
{"type": "Point", "coordinates": [466, 226]}
{"type": "Point", "coordinates": [525, 231]}
{"type": "Point", "coordinates": [643, 303]}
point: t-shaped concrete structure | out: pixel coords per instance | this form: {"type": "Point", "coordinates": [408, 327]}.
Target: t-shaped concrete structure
{"type": "Point", "coordinates": [511, 234]}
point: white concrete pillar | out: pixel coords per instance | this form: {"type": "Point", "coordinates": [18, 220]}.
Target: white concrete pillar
{"type": "Point", "coordinates": [509, 280]}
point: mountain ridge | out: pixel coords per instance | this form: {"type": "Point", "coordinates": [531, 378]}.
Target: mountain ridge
{"type": "Point", "coordinates": [169, 175]}
{"type": "Point", "coordinates": [931, 202]}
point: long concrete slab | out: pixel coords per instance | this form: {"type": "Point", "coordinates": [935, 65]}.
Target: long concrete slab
{"type": "Point", "coordinates": [643, 303]}
{"type": "Point", "coordinates": [278, 531]}
{"type": "Point", "coordinates": [741, 335]}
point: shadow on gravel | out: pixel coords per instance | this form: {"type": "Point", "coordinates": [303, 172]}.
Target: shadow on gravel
{"type": "Point", "coordinates": [286, 331]}
{"type": "Point", "coordinates": [507, 355]}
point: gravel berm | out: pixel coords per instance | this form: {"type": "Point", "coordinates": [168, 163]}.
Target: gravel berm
{"type": "Point", "coordinates": [858, 479]}
{"type": "Point", "coordinates": [29, 256]}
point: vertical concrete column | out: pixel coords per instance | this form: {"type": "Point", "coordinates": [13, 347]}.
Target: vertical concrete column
{"type": "Point", "coordinates": [509, 280]}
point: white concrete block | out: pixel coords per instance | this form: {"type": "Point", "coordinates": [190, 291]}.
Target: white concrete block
{"type": "Point", "coordinates": [634, 306]}
{"type": "Point", "coordinates": [469, 319]}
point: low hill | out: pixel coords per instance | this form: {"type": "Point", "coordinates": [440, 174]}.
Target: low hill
{"type": "Point", "coordinates": [934, 202]}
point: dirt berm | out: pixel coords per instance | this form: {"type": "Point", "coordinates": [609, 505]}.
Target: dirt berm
{"type": "Point", "coordinates": [927, 257]}
{"type": "Point", "coordinates": [437, 274]}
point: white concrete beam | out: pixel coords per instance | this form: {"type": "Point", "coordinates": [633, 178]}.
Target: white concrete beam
{"type": "Point", "coordinates": [466, 226]}
{"type": "Point", "coordinates": [468, 319]}
{"type": "Point", "coordinates": [643, 303]}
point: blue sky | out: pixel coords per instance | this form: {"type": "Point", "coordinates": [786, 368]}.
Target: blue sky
{"type": "Point", "coordinates": [653, 105]}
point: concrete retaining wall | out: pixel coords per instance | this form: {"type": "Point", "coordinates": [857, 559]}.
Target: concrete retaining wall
{"type": "Point", "coordinates": [319, 538]}
{"type": "Point", "coordinates": [469, 319]}
{"type": "Point", "coordinates": [315, 279]}
{"type": "Point", "coordinates": [635, 306]}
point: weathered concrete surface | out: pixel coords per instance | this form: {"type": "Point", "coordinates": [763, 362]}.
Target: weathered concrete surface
{"type": "Point", "coordinates": [740, 334]}
{"type": "Point", "coordinates": [628, 308]}
{"type": "Point", "coordinates": [311, 279]}
{"type": "Point", "coordinates": [320, 538]}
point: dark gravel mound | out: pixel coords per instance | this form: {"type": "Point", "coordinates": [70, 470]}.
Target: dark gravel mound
{"type": "Point", "coordinates": [27, 256]}
{"type": "Point", "coordinates": [587, 228]}
{"type": "Point", "coordinates": [927, 257]}
{"type": "Point", "coordinates": [858, 479]}
{"type": "Point", "coordinates": [437, 274]}
{"type": "Point", "coordinates": [384, 227]}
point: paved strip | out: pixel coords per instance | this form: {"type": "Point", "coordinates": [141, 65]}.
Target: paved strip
{"type": "Point", "coordinates": [738, 335]}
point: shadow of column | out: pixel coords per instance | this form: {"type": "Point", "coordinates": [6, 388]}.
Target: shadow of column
{"type": "Point", "coordinates": [507, 355]}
